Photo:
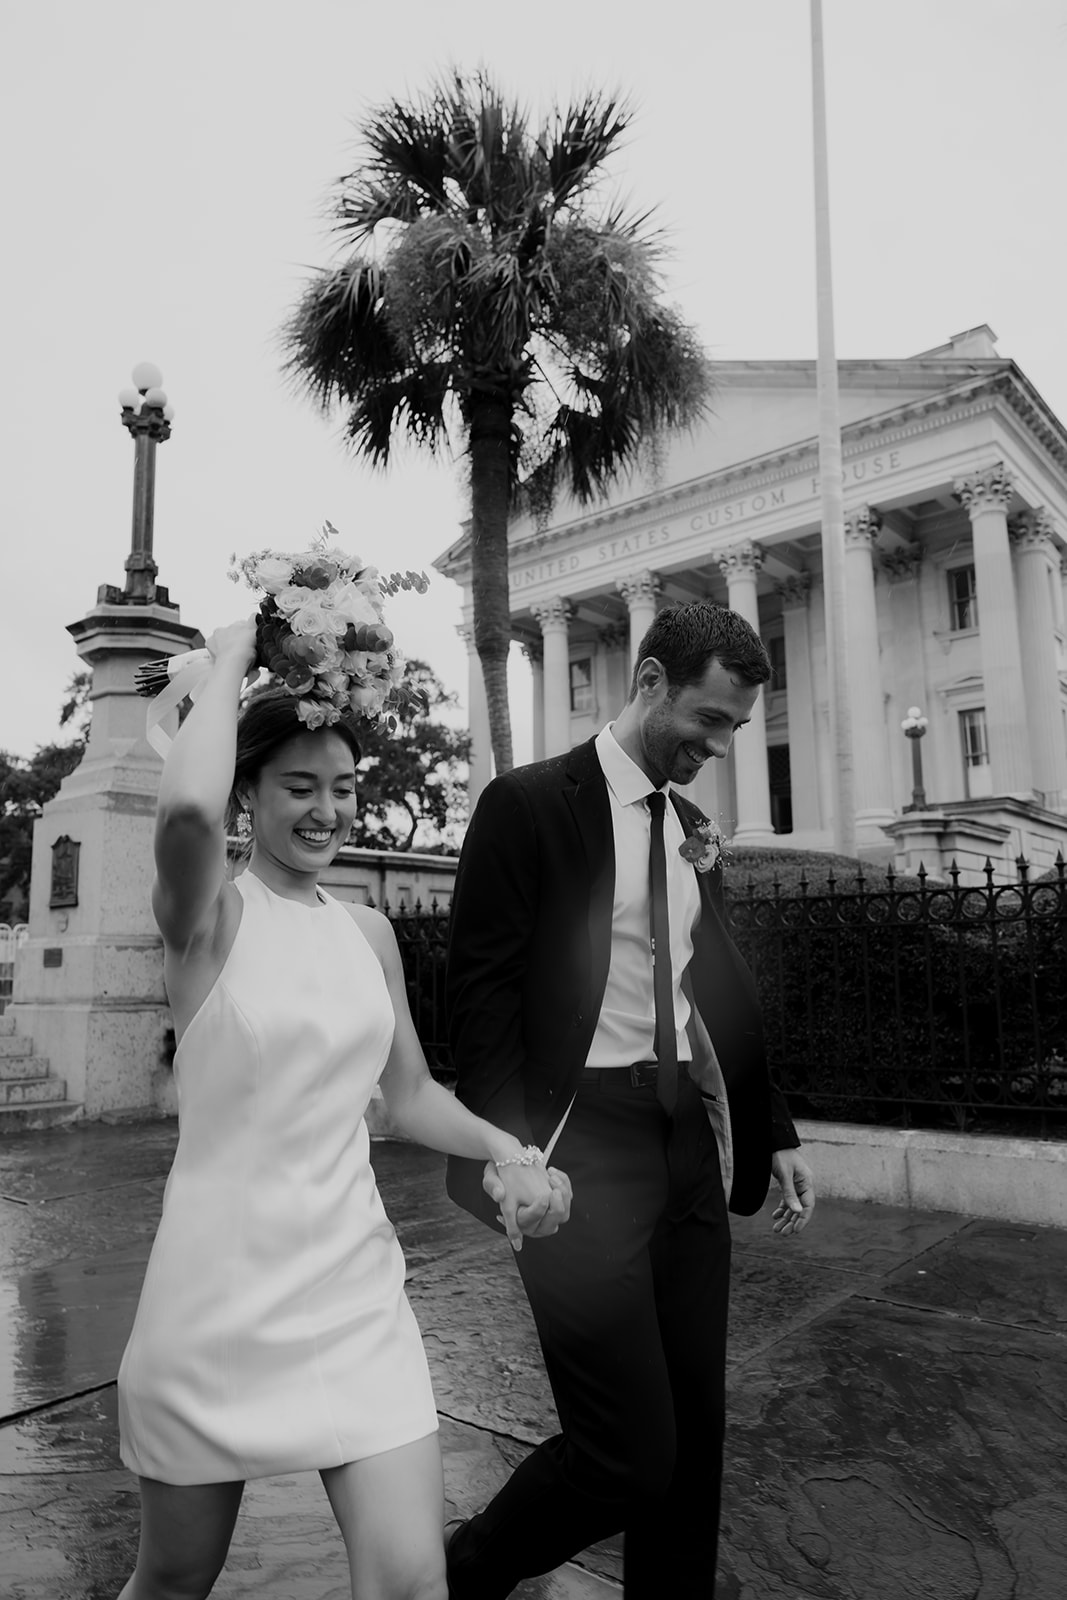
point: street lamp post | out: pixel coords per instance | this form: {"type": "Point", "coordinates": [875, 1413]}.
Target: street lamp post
{"type": "Point", "coordinates": [148, 416]}
{"type": "Point", "coordinates": [915, 725]}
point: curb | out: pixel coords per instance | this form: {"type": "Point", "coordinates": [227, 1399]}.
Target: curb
{"type": "Point", "coordinates": [1009, 1180]}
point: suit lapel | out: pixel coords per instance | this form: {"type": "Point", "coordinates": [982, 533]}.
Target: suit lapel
{"type": "Point", "coordinates": [591, 809]}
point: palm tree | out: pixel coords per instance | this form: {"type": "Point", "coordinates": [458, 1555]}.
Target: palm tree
{"type": "Point", "coordinates": [484, 305]}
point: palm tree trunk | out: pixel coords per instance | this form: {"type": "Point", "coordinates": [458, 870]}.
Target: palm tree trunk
{"type": "Point", "coordinates": [490, 443]}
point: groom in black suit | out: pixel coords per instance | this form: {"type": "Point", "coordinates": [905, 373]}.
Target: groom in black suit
{"type": "Point", "coordinates": [597, 999]}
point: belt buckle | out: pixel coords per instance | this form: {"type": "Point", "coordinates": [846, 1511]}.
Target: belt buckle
{"type": "Point", "coordinates": [642, 1074]}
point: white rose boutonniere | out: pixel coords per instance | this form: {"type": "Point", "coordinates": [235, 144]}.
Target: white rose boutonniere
{"type": "Point", "coordinates": [704, 846]}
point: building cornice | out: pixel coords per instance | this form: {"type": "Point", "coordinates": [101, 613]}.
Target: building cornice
{"type": "Point", "coordinates": [976, 393]}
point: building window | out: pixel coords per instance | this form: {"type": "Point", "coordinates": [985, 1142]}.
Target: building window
{"type": "Point", "coordinates": [776, 650]}
{"type": "Point", "coordinates": [977, 772]}
{"type": "Point", "coordinates": [582, 685]}
{"type": "Point", "coordinates": [781, 788]}
{"type": "Point", "coordinates": [962, 598]}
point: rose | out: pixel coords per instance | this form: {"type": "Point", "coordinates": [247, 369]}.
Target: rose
{"type": "Point", "coordinates": [273, 573]}
{"type": "Point", "coordinates": [352, 604]}
{"type": "Point", "coordinates": [312, 617]}
{"type": "Point", "coordinates": [314, 649]}
{"type": "Point", "coordinates": [289, 600]}
{"type": "Point", "coordinates": [364, 698]}
{"type": "Point", "coordinates": [703, 847]}
{"type": "Point", "coordinates": [311, 713]}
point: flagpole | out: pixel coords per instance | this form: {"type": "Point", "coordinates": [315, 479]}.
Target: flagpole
{"type": "Point", "coordinates": [830, 473]}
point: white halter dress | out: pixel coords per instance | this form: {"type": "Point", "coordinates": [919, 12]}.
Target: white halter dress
{"type": "Point", "coordinates": [273, 1333]}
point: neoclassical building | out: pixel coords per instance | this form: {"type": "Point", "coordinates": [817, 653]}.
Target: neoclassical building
{"type": "Point", "coordinates": [955, 483]}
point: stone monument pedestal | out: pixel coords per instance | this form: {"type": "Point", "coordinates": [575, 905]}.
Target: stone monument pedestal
{"type": "Point", "coordinates": [89, 980]}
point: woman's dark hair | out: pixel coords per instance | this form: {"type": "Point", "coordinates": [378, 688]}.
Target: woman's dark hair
{"type": "Point", "coordinates": [684, 638]}
{"type": "Point", "coordinates": [268, 720]}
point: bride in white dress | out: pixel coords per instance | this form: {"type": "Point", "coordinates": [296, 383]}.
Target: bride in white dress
{"type": "Point", "coordinates": [273, 1333]}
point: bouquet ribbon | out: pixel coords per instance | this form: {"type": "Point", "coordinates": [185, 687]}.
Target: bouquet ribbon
{"type": "Point", "coordinates": [187, 675]}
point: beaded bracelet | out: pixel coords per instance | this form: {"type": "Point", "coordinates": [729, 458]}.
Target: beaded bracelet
{"type": "Point", "coordinates": [528, 1156]}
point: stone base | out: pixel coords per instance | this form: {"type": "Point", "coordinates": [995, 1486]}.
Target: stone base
{"type": "Point", "coordinates": [112, 1057]}
{"type": "Point", "coordinates": [999, 829]}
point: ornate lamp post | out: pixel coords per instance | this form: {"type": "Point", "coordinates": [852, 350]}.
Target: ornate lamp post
{"type": "Point", "coordinates": [90, 991]}
{"type": "Point", "coordinates": [147, 415]}
{"type": "Point", "coordinates": [915, 725]}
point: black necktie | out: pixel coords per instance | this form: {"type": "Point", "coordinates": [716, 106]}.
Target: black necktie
{"type": "Point", "coordinates": [666, 1046]}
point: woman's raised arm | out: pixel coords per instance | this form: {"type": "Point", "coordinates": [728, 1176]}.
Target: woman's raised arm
{"type": "Point", "coordinates": [194, 790]}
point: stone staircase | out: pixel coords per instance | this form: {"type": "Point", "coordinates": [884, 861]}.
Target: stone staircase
{"type": "Point", "coordinates": [30, 1095]}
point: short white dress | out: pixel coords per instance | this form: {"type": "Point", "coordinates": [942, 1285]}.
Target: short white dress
{"type": "Point", "coordinates": [273, 1333]}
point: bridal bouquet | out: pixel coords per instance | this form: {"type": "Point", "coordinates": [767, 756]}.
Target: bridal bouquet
{"type": "Point", "coordinates": [320, 632]}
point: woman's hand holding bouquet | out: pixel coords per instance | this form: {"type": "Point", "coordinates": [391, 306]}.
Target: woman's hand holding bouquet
{"type": "Point", "coordinates": [319, 631]}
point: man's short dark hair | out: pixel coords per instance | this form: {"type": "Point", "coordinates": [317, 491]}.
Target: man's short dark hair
{"type": "Point", "coordinates": [685, 638]}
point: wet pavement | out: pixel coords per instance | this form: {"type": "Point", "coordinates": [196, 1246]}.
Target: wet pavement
{"type": "Point", "coordinates": [897, 1411]}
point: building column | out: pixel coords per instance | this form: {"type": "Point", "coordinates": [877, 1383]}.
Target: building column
{"type": "Point", "coordinates": [481, 761]}
{"type": "Point", "coordinates": [639, 590]}
{"type": "Point", "coordinates": [870, 748]}
{"type": "Point", "coordinates": [740, 567]}
{"type": "Point", "coordinates": [986, 496]}
{"type": "Point", "coordinates": [553, 617]}
{"type": "Point", "coordinates": [535, 655]}
{"type": "Point", "coordinates": [800, 704]}
{"type": "Point", "coordinates": [1037, 569]}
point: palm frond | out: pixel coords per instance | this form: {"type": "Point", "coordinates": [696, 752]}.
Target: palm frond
{"type": "Point", "coordinates": [413, 404]}
{"type": "Point", "coordinates": [578, 142]}
{"type": "Point", "coordinates": [339, 341]}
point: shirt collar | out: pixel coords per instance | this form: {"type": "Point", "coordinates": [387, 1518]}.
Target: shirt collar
{"type": "Point", "coordinates": [625, 779]}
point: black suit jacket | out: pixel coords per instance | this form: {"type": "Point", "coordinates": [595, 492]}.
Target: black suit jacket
{"type": "Point", "coordinates": [529, 949]}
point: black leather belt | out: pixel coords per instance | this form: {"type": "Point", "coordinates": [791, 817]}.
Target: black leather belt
{"type": "Point", "coordinates": [639, 1075]}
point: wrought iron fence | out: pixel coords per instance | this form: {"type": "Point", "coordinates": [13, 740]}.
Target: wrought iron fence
{"type": "Point", "coordinates": [943, 1002]}
{"type": "Point", "coordinates": [422, 934]}
{"type": "Point", "coordinates": [883, 1002]}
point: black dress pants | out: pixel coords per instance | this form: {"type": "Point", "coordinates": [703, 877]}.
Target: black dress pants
{"type": "Point", "coordinates": [630, 1301]}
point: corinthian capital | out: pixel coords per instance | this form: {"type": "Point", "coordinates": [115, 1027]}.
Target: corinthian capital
{"type": "Point", "coordinates": [861, 528]}
{"type": "Point", "coordinates": [794, 590]}
{"type": "Point", "coordinates": [903, 562]}
{"type": "Point", "coordinates": [466, 633]}
{"type": "Point", "coordinates": [1033, 530]}
{"type": "Point", "coordinates": [553, 615]}
{"type": "Point", "coordinates": [988, 490]}
{"type": "Point", "coordinates": [639, 587]}
{"type": "Point", "coordinates": [741, 561]}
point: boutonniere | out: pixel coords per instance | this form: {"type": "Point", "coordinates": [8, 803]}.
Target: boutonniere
{"type": "Point", "coordinates": [704, 846]}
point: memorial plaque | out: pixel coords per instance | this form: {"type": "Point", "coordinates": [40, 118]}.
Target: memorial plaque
{"type": "Point", "coordinates": [65, 854]}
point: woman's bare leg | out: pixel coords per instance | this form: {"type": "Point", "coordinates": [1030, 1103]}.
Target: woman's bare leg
{"type": "Point", "coordinates": [390, 1509]}
{"type": "Point", "coordinates": [185, 1534]}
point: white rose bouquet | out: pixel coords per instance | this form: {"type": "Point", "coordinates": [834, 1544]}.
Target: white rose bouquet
{"type": "Point", "coordinates": [320, 632]}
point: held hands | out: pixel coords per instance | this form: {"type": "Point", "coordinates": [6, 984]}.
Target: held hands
{"type": "Point", "coordinates": [534, 1201]}
{"type": "Point", "coordinates": [797, 1183]}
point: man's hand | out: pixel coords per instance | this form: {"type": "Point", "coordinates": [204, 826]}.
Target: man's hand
{"type": "Point", "coordinates": [533, 1201]}
{"type": "Point", "coordinates": [797, 1183]}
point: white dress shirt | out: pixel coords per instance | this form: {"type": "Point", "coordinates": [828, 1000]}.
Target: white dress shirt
{"type": "Point", "coordinates": [626, 1028]}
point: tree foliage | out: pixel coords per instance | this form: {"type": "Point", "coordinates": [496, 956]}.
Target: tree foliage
{"type": "Point", "coordinates": [492, 303]}
{"type": "Point", "coordinates": [26, 786]}
{"type": "Point", "coordinates": [411, 778]}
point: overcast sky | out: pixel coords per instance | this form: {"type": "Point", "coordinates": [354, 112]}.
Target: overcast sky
{"type": "Point", "coordinates": [167, 172]}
